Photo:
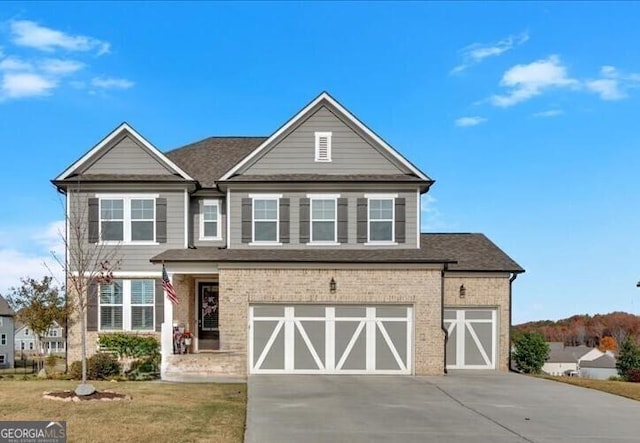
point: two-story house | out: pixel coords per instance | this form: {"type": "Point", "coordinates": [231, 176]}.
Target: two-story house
{"type": "Point", "coordinates": [6, 334]}
{"type": "Point", "coordinates": [53, 341]}
{"type": "Point", "coordinates": [300, 252]}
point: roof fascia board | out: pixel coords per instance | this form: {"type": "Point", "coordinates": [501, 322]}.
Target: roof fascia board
{"type": "Point", "coordinates": [296, 118]}
{"type": "Point", "coordinates": [110, 137]}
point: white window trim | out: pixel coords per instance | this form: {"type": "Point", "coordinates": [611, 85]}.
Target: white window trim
{"type": "Point", "coordinates": [253, 198]}
{"type": "Point", "coordinates": [126, 229]}
{"type": "Point", "coordinates": [210, 202]}
{"type": "Point", "coordinates": [391, 197]}
{"type": "Point", "coordinates": [126, 309]}
{"type": "Point", "coordinates": [335, 198]}
{"type": "Point", "coordinates": [318, 135]}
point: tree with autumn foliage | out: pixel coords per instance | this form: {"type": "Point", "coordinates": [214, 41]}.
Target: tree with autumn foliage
{"type": "Point", "coordinates": [608, 343]}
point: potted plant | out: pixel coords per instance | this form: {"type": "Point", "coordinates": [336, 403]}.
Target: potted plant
{"type": "Point", "coordinates": [187, 338]}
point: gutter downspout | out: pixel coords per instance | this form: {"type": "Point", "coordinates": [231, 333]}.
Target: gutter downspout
{"type": "Point", "coordinates": [446, 334]}
{"type": "Point", "coordinates": [511, 279]}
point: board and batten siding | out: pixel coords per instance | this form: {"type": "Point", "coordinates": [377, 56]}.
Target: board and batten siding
{"type": "Point", "coordinates": [350, 153]}
{"type": "Point", "coordinates": [126, 157]}
{"type": "Point", "coordinates": [194, 225]}
{"type": "Point", "coordinates": [235, 206]}
{"type": "Point", "coordinates": [136, 257]}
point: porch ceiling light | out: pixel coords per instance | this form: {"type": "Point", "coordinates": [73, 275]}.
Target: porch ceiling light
{"type": "Point", "coordinates": [463, 291]}
{"type": "Point", "coordinates": [332, 285]}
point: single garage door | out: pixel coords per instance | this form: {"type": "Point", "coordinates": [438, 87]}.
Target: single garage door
{"type": "Point", "coordinates": [472, 338]}
{"type": "Point", "coordinates": [319, 339]}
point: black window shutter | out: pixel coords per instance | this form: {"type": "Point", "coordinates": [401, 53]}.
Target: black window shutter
{"type": "Point", "coordinates": [247, 234]}
{"type": "Point", "coordinates": [400, 220]}
{"type": "Point", "coordinates": [159, 304]}
{"type": "Point", "coordinates": [304, 220]}
{"type": "Point", "coordinates": [343, 221]}
{"type": "Point", "coordinates": [284, 220]}
{"type": "Point", "coordinates": [94, 220]}
{"type": "Point", "coordinates": [161, 220]}
{"type": "Point", "coordinates": [363, 206]}
{"type": "Point", "coordinates": [92, 306]}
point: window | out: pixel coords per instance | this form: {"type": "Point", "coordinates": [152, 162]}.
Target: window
{"type": "Point", "coordinates": [142, 304]}
{"type": "Point", "coordinates": [265, 219]}
{"type": "Point", "coordinates": [1, 322]}
{"type": "Point", "coordinates": [53, 333]}
{"type": "Point", "coordinates": [128, 219]}
{"type": "Point", "coordinates": [127, 305]}
{"type": "Point", "coordinates": [26, 331]}
{"type": "Point", "coordinates": [3, 339]}
{"type": "Point", "coordinates": [323, 220]}
{"type": "Point", "coordinates": [210, 220]}
{"type": "Point", "coordinates": [31, 346]}
{"type": "Point", "coordinates": [323, 146]}
{"type": "Point", "coordinates": [111, 306]}
{"type": "Point", "coordinates": [22, 346]}
{"type": "Point", "coordinates": [381, 219]}
{"type": "Point", "coordinates": [3, 359]}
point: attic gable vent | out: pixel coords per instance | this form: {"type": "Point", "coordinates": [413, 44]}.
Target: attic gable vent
{"type": "Point", "coordinates": [323, 146]}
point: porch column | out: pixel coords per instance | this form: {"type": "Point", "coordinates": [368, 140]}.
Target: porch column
{"type": "Point", "coordinates": [166, 337]}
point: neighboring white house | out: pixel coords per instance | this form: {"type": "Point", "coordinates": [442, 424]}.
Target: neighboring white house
{"type": "Point", "coordinates": [566, 359]}
{"type": "Point", "coordinates": [25, 340]}
{"type": "Point", "coordinates": [600, 368]}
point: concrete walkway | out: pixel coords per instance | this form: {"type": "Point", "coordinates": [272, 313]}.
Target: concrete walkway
{"type": "Point", "coordinates": [460, 407]}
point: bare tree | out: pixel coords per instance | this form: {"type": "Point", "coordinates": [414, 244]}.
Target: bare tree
{"type": "Point", "coordinates": [88, 260]}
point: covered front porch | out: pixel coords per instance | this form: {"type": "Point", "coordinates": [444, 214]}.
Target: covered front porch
{"type": "Point", "coordinates": [192, 345]}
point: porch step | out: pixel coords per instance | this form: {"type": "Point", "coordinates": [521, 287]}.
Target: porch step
{"type": "Point", "coordinates": [207, 366]}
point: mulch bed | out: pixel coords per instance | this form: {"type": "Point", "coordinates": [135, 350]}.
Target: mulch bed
{"type": "Point", "coordinates": [96, 396]}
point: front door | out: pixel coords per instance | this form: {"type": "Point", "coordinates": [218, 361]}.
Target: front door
{"type": "Point", "coordinates": [208, 332]}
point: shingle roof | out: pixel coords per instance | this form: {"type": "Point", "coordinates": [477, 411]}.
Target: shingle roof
{"type": "Point", "coordinates": [5, 309]}
{"type": "Point", "coordinates": [328, 178]}
{"type": "Point", "coordinates": [567, 354]}
{"type": "Point", "coordinates": [208, 160]}
{"type": "Point", "coordinates": [604, 361]}
{"type": "Point", "coordinates": [435, 248]}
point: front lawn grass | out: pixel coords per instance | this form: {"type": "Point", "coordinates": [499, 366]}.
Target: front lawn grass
{"type": "Point", "coordinates": [622, 388]}
{"type": "Point", "coordinates": [158, 412]}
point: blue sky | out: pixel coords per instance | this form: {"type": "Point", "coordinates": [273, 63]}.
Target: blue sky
{"type": "Point", "coordinates": [525, 114]}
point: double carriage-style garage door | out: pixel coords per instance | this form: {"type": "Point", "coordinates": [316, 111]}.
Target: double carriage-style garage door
{"type": "Point", "coordinates": [472, 338]}
{"type": "Point", "coordinates": [323, 339]}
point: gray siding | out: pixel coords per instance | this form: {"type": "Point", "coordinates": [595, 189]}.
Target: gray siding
{"type": "Point", "coordinates": [598, 373]}
{"type": "Point", "coordinates": [350, 153]}
{"type": "Point", "coordinates": [194, 225]}
{"type": "Point", "coordinates": [126, 157]}
{"type": "Point", "coordinates": [136, 257]}
{"type": "Point", "coordinates": [7, 349]}
{"type": "Point", "coordinates": [352, 196]}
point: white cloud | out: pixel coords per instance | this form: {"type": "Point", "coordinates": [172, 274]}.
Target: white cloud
{"type": "Point", "coordinates": [549, 113]}
{"type": "Point", "coordinates": [612, 84]}
{"type": "Point", "coordinates": [60, 67]}
{"type": "Point", "coordinates": [31, 34]}
{"type": "Point", "coordinates": [111, 83]}
{"type": "Point", "coordinates": [431, 218]}
{"type": "Point", "coordinates": [25, 84]}
{"type": "Point", "coordinates": [477, 52]}
{"type": "Point", "coordinates": [14, 64]}
{"type": "Point", "coordinates": [16, 262]}
{"type": "Point", "coordinates": [470, 121]}
{"type": "Point", "coordinates": [527, 81]}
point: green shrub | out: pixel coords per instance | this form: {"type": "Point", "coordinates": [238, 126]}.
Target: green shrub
{"type": "Point", "coordinates": [628, 357]}
{"type": "Point", "coordinates": [615, 378]}
{"type": "Point", "coordinates": [129, 345]}
{"type": "Point", "coordinates": [99, 367]}
{"type": "Point", "coordinates": [531, 351]}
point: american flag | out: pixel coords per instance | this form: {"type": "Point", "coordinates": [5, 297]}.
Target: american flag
{"type": "Point", "coordinates": [168, 287]}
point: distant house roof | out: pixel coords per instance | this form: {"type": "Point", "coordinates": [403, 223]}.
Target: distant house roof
{"type": "Point", "coordinates": [604, 361]}
{"type": "Point", "coordinates": [462, 252]}
{"type": "Point", "coordinates": [5, 309]}
{"type": "Point", "coordinates": [209, 159]}
{"type": "Point", "coordinates": [568, 354]}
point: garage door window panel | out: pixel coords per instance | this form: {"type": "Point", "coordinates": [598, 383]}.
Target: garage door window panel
{"type": "Point", "coordinates": [309, 353]}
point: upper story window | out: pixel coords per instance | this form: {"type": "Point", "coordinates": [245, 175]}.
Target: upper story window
{"type": "Point", "coordinates": [323, 146]}
{"type": "Point", "coordinates": [128, 219]}
{"type": "Point", "coordinates": [210, 220]}
{"type": "Point", "coordinates": [265, 218]}
{"type": "Point", "coordinates": [323, 218]}
{"type": "Point", "coordinates": [3, 339]}
{"type": "Point", "coordinates": [127, 305]}
{"type": "Point", "coordinates": [381, 220]}
{"type": "Point", "coordinates": [26, 331]}
{"type": "Point", "coordinates": [53, 333]}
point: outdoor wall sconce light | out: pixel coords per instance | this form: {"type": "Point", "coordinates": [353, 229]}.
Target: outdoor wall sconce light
{"type": "Point", "coordinates": [463, 291]}
{"type": "Point", "coordinates": [332, 286]}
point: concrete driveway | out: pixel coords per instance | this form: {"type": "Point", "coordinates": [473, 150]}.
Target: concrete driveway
{"type": "Point", "coordinates": [460, 407]}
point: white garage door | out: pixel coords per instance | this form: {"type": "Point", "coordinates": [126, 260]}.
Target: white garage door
{"type": "Point", "coordinates": [472, 338]}
{"type": "Point", "coordinates": [319, 339]}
